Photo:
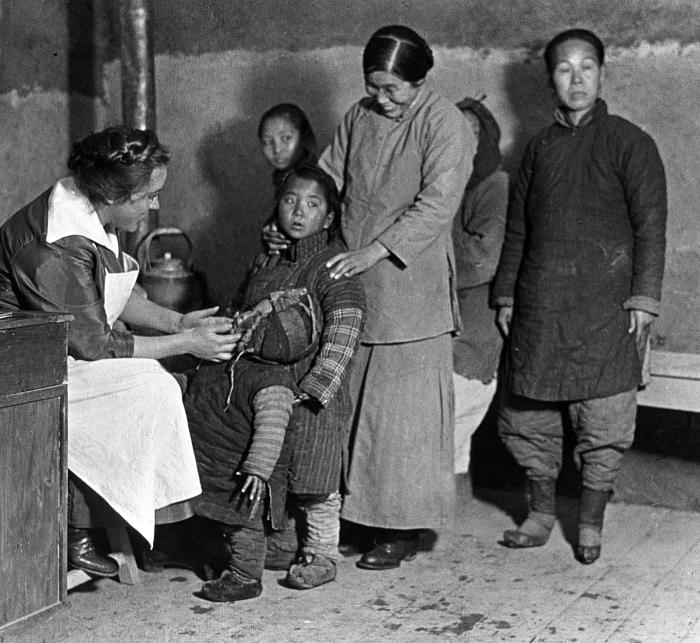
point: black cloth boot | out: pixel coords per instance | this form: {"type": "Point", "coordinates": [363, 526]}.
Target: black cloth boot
{"type": "Point", "coordinates": [394, 545]}
{"type": "Point", "coordinates": [590, 524]}
{"type": "Point", "coordinates": [83, 555]}
{"type": "Point", "coordinates": [534, 532]}
{"type": "Point", "coordinates": [243, 578]}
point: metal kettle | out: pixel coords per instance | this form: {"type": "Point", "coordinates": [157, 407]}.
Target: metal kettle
{"type": "Point", "coordinates": [169, 280]}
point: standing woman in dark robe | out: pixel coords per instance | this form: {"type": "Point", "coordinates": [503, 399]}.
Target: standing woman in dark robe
{"type": "Point", "coordinates": [578, 286]}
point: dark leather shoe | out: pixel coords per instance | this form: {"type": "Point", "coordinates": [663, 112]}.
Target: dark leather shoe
{"type": "Point", "coordinates": [388, 555]}
{"type": "Point", "coordinates": [229, 588]}
{"type": "Point", "coordinates": [519, 540]}
{"type": "Point", "coordinates": [587, 554]}
{"type": "Point", "coordinates": [83, 555]}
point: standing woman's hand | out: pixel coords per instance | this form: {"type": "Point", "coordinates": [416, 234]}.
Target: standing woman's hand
{"type": "Point", "coordinates": [640, 322]}
{"type": "Point", "coordinates": [356, 262]}
{"type": "Point", "coordinates": [504, 319]}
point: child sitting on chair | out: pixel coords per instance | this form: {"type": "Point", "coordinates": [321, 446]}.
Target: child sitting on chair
{"type": "Point", "coordinates": [246, 460]}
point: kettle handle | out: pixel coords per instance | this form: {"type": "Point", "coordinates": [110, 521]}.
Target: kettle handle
{"type": "Point", "coordinates": [142, 253]}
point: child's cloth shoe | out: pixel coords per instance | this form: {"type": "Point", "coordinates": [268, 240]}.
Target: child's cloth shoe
{"type": "Point", "coordinates": [534, 532]}
{"type": "Point", "coordinates": [589, 545]}
{"type": "Point", "coordinates": [311, 570]}
{"type": "Point", "coordinates": [229, 588]}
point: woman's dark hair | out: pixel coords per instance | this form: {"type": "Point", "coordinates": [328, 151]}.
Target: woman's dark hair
{"type": "Point", "coordinates": [295, 115]}
{"type": "Point", "coordinates": [111, 165]}
{"type": "Point", "coordinates": [399, 51]}
{"type": "Point", "coordinates": [572, 34]}
{"type": "Point", "coordinates": [311, 172]}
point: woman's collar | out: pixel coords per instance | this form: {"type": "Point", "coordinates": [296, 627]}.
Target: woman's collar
{"type": "Point", "coordinates": [562, 117]}
{"type": "Point", "coordinates": [72, 214]}
{"type": "Point", "coordinates": [418, 99]}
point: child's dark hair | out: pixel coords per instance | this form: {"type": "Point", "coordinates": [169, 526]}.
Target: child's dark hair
{"type": "Point", "coordinates": [311, 172]}
{"type": "Point", "coordinates": [566, 36]}
{"type": "Point", "coordinates": [295, 115]}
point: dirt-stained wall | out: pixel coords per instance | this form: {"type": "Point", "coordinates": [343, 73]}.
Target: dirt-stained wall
{"type": "Point", "coordinates": [219, 65]}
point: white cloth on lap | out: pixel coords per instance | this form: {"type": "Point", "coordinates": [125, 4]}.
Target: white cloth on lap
{"type": "Point", "coordinates": [128, 437]}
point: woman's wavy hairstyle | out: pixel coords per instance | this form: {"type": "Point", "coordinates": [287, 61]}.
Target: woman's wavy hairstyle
{"type": "Point", "coordinates": [111, 165]}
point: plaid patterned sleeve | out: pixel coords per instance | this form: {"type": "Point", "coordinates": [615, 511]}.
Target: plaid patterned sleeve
{"type": "Point", "coordinates": [342, 325]}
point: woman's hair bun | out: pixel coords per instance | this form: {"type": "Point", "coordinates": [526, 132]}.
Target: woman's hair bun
{"type": "Point", "coordinates": [112, 164]}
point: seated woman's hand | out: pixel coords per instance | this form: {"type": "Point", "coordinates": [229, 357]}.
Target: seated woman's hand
{"type": "Point", "coordinates": [211, 344]}
{"type": "Point", "coordinates": [273, 239]}
{"type": "Point", "coordinates": [205, 319]}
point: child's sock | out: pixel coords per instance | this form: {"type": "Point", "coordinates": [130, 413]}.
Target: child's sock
{"type": "Point", "coordinates": [322, 532]}
{"type": "Point", "coordinates": [317, 564]}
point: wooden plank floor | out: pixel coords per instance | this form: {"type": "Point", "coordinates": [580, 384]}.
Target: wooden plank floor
{"type": "Point", "coordinates": [645, 588]}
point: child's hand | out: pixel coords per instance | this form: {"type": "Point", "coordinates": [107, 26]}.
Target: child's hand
{"type": "Point", "coordinates": [274, 239]}
{"type": "Point", "coordinates": [255, 487]}
{"type": "Point", "coordinates": [300, 398]}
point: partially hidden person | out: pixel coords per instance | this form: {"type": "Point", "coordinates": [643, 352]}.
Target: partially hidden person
{"type": "Point", "coordinates": [246, 459]}
{"type": "Point", "coordinates": [578, 286]}
{"type": "Point", "coordinates": [129, 449]}
{"type": "Point", "coordinates": [286, 139]}
{"type": "Point", "coordinates": [478, 233]}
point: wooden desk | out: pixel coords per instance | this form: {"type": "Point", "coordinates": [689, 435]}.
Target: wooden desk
{"type": "Point", "coordinates": [33, 473]}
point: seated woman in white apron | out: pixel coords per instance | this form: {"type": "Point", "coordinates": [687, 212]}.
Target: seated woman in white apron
{"type": "Point", "coordinates": [128, 440]}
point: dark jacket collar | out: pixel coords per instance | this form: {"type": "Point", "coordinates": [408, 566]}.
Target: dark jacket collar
{"type": "Point", "coordinates": [307, 247]}
{"type": "Point", "coordinates": [599, 110]}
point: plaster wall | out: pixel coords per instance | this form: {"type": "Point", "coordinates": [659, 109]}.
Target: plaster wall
{"type": "Point", "coordinates": [218, 69]}
{"type": "Point", "coordinates": [219, 189]}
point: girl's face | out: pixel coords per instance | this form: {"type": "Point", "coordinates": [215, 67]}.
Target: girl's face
{"type": "Point", "coordinates": [577, 77]}
{"type": "Point", "coordinates": [126, 215]}
{"type": "Point", "coordinates": [303, 209]}
{"type": "Point", "coordinates": [281, 142]}
{"type": "Point", "coordinates": [392, 94]}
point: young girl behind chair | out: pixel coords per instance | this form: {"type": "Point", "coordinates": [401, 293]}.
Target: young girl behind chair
{"type": "Point", "coordinates": [286, 139]}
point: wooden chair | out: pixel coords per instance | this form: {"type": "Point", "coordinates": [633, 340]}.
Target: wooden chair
{"type": "Point", "coordinates": [121, 551]}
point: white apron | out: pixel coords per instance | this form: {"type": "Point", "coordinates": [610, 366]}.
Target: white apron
{"type": "Point", "coordinates": [128, 437]}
